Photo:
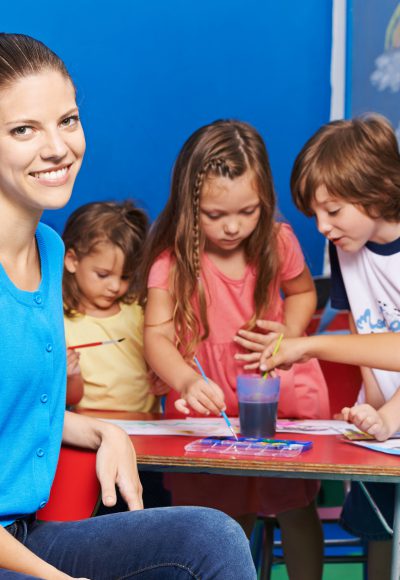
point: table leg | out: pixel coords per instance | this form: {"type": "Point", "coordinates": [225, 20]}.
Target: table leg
{"type": "Point", "coordinates": [395, 574]}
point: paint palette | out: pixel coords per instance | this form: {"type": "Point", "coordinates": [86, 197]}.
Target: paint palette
{"type": "Point", "coordinates": [249, 446]}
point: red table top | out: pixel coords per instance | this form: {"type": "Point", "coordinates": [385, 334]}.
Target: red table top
{"type": "Point", "coordinates": [330, 457]}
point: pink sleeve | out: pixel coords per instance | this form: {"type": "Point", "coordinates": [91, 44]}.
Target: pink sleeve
{"type": "Point", "coordinates": [159, 272]}
{"type": "Point", "coordinates": [292, 259]}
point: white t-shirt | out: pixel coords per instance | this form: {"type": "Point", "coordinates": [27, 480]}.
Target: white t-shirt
{"type": "Point", "coordinates": [368, 283]}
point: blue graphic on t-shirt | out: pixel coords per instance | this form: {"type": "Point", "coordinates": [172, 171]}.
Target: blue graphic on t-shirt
{"type": "Point", "coordinates": [389, 322]}
{"type": "Point", "coordinates": [391, 314]}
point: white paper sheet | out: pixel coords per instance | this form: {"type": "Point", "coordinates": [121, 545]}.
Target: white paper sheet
{"type": "Point", "coordinates": [191, 427]}
{"type": "Point", "coordinates": [312, 426]}
{"type": "Point", "coordinates": [391, 446]}
{"type": "Point", "coordinates": [207, 427]}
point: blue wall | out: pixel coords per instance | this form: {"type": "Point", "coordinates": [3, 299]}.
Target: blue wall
{"type": "Point", "coordinates": [150, 72]}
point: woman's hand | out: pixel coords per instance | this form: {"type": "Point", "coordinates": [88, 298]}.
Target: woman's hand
{"type": "Point", "coordinates": [204, 397]}
{"type": "Point", "coordinates": [115, 460]}
{"type": "Point", "coordinates": [116, 465]}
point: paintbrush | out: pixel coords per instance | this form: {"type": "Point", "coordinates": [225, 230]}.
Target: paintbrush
{"type": "Point", "coordinates": [99, 343]}
{"type": "Point", "coordinates": [224, 415]}
{"type": "Point", "coordinates": [274, 352]}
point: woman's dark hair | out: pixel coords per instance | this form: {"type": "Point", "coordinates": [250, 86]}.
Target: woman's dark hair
{"type": "Point", "coordinates": [22, 55]}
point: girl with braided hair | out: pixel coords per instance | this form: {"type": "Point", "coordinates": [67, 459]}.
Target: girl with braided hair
{"type": "Point", "coordinates": [217, 261]}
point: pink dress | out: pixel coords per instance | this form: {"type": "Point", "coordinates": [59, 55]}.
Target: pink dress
{"type": "Point", "coordinates": [304, 392]}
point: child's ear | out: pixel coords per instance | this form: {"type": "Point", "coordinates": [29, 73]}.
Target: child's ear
{"type": "Point", "coordinates": [70, 261]}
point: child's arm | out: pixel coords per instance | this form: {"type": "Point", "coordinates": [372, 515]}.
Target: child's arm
{"type": "Point", "coordinates": [299, 306]}
{"type": "Point", "coordinates": [115, 459]}
{"type": "Point", "coordinates": [372, 392]}
{"type": "Point", "coordinates": [74, 378]}
{"type": "Point", "coordinates": [380, 423]}
{"type": "Point", "coordinates": [167, 362]}
{"type": "Point", "coordinates": [374, 350]}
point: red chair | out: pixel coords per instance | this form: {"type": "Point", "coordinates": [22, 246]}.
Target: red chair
{"type": "Point", "coordinates": [75, 492]}
{"type": "Point", "coordinates": [344, 382]}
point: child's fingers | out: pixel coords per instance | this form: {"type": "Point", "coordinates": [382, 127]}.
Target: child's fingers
{"type": "Point", "coordinates": [250, 345]}
{"type": "Point", "coordinates": [73, 355]}
{"type": "Point", "coordinates": [201, 408]}
{"type": "Point", "coordinates": [339, 417]}
{"type": "Point", "coordinates": [345, 412]}
{"type": "Point", "coordinates": [271, 326]}
{"type": "Point", "coordinates": [374, 428]}
{"type": "Point", "coordinates": [381, 431]}
{"type": "Point", "coordinates": [248, 357]}
{"type": "Point", "coordinates": [207, 401]}
{"type": "Point", "coordinates": [366, 422]}
{"type": "Point", "coordinates": [181, 406]}
{"type": "Point", "coordinates": [251, 367]}
{"type": "Point", "coordinates": [255, 339]}
{"type": "Point", "coordinates": [270, 362]}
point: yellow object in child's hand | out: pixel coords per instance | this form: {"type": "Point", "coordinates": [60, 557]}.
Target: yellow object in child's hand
{"type": "Point", "coordinates": [354, 435]}
{"type": "Point", "coordinates": [274, 352]}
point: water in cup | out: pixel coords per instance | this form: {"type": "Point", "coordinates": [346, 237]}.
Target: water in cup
{"type": "Point", "coordinates": [258, 404]}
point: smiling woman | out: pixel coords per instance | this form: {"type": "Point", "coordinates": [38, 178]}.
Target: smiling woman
{"type": "Point", "coordinates": [41, 141]}
{"type": "Point", "coordinates": [41, 150]}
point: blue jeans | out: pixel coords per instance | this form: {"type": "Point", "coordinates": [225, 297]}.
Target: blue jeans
{"type": "Point", "coordinates": [179, 543]}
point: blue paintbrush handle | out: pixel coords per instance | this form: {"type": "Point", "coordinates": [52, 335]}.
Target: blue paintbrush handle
{"type": "Point", "coordinates": [225, 416]}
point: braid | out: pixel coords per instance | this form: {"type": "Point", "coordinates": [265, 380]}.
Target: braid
{"type": "Point", "coordinates": [219, 167]}
{"type": "Point", "coordinates": [196, 220]}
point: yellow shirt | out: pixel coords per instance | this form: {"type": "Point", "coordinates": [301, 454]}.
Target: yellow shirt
{"type": "Point", "coordinates": [115, 375]}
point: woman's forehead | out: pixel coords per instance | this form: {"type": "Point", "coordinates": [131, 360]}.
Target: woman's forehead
{"type": "Point", "coordinates": [30, 95]}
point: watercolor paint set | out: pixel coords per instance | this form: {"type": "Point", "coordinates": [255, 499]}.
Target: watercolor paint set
{"type": "Point", "coordinates": [249, 446]}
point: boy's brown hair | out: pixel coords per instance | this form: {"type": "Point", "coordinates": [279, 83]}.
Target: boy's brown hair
{"type": "Point", "coordinates": [121, 224]}
{"type": "Point", "coordinates": [357, 160]}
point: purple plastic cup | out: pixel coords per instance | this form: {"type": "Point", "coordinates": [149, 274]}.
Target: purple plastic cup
{"type": "Point", "coordinates": [258, 404]}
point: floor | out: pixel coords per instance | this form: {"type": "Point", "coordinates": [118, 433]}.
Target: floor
{"type": "Point", "coordinates": [331, 572]}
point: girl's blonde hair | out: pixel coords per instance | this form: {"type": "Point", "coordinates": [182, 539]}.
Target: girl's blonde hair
{"type": "Point", "coordinates": [121, 224]}
{"type": "Point", "coordinates": [357, 160]}
{"type": "Point", "coordinates": [225, 148]}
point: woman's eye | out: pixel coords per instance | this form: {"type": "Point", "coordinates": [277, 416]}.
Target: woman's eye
{"type": "Point", "coordinates": [333, 211]}
{"type": "Point", "coordinates": [70, 121]}
{"type": "Point", "coordinates": [101, 275]}
{"type": "Point", "coordinates": [22, 131]}
{"type": "Point", "coordinates": [212, 216]}
{"type": "Point", "coordinates": [249, 211]}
